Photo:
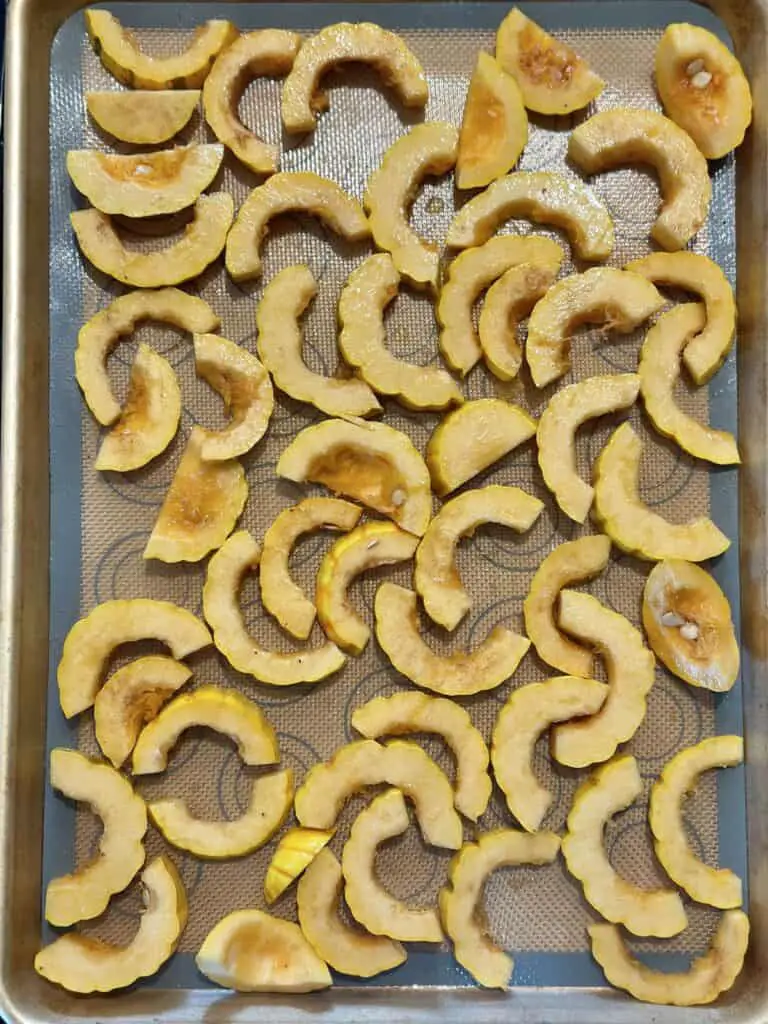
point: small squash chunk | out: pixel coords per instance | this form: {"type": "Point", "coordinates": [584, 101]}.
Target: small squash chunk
{"type": "Point", "coordinates": [630, 524]}
{"type": "Point", "coordinates": [612, 788]}
{"type": "Point", "coordinates": [507, 302]}
{"type": "Point", "coordinates": [144, 118]}
{"type": "Point", "coordinates": [295, 852]}
{"type": "Point", "coordinates": [85, 893]}
{"type": "Point", "coordinates": [624, 136]}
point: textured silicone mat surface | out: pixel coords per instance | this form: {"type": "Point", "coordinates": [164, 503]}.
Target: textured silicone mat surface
{"type": "Point", "coordinates": [101, 521]}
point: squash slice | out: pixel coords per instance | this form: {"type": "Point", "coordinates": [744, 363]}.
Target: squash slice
{"type": "Point", "coordinates": [508, 301]}
{"type": "Point", "coordinates": [295, 852]}
{"type": "Point", "coordinates": [143, 118]}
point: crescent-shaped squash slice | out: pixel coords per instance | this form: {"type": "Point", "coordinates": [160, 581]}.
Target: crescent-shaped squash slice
{"type": "Point", "coordinates": [370, 462]}
{"type": "Point", "coordinates": [83, 964]}
{"type": "Point", "coordinates": [469, 869]}
{"type": "Point", "coordinates": [453, 675]}
{"type": "Point", "coordinates": [239, 555]}
{"type": "Point", "coordinates": [362, 42]}
{"type": "Point", "coordinates": [143, 118]}
{"type": "Point", "coordinates": [353, 767]}
{"type": "Point", "coordinates": [295, 852]}
{"type": "Point", "coordinates": [630, 524]}
{"type": "Point", "coordinates": [612, 788]}
{"type": "Point", "coordinates": [406, 713]}
{"type": "Point", "coordinates": [629, 666]}
{"type": "Point", "coordinates": [92, 639]}
{"type": "Point", "coordinates": [436, 577]}
{"type": "Point", "coordinates": [280, 343]}
{"type": "Point", "coordinates": [370, 903]}
{"type": "Point", "coordinates": [624, 136]}
{"type": "Point", "coordinates": [528, 712]}
{"type": "Point", "coordinates": [717, 887]}
{"type": "Point", "coordinates": [299, 191]}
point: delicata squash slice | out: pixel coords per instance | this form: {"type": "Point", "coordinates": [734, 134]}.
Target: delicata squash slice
{"type": "Point", "coordinates": [144, 118]}
{"type": "Point", "coordinates": [294, 853]}
{"type": "Point", "coordinates": [86, 893]}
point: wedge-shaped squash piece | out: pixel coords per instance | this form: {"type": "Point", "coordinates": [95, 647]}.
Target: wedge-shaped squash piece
{"type": "Point", "coordinates": [130, 698]}
{"type": "Point", "coordinates": [629, 666]}
{"type": "Point", "coordinates": [703, 982]}
{"type": "Point", "coordinates": [299, 191]}
{"type": "Point", "coordinates": [370, 462]}
{"type": "Point", "coordinates": [567, 410]}
{"type": "Point", "coordinates": [85, 893]}
{"type": "Point", "coordinates": [612, 788]}
{"type": "Point", "coordinates": [603, 295]}
{"type": "Point", "coordinates": [121, 56]}
{"type": "Point", "coordinates": [366, 763]}
{"type": "Point", "coordinates": [528, 712]}
{"type": "Point", "coordinates": [201, 507]}
{"type": "Point", "coordinates": [246, 388]}
{"type": "Point", "coordinates": [469, 869]}
{"type": "Point", "coordinates": [92, 639]}
{"type": "Point", "coordinates": [552, 77]}
{"type": "Point", "coordinates": [370, 903]}
{"type": "Point", "coordinates": [659, 371]}
{"type": "Point", "coordinates": [470, 439]}
{"type": "Point", "coordinates": [368, 547]}
{"type": "Point", "coordinates": [406, 713]}
{"type": "Point", "coordinates": [572, 562]}
{"type": "Point", "coordinates": [143, 118]}
{"type": "Point", "coordinates": [267, 51]}
{"type": "Point", "coordinates": [494, 128]}
{"type": "Point", "coordinates": [345, 949]}
{"type": "Point", "coordinates": [453, 675]}
{"type": "Point", "coordinates": [427, 149]}
{"type": "Point", "coordinates": [280, 344]}
{"type": "Point", "coordinates": [281, 596]}
{"type": "Point", "coordinates": [202, 243]}
{"type": "Point", "coordinates": [82, 964]}
{"type": "Point", "coordinates": [508, 301]}
{"type": "Point", "coordinates": [104, 330]}
{"type": "Point", "coordinates": [630, 524]}
{"type": "Point", "coordinates": [339, 44]}
{"type": "Point", "coordinates": [363, 341]}
{"type": "Point", "coordinates": [251, 951]}
{"type": "Point", "coordinates": [624, 136]}
{"type": "Point", "coordinates": [717, 887]}
{"type": "Point", "coordinates": [295, 852]}
{"type": "Point", "coordinates": [436, 577]}
{"type": "Point", "coordinates": [149, 418]}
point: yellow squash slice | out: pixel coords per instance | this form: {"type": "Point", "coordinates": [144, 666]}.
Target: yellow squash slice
{"type": "Point", "coordinates": [436, 577]}
{"type": "Point", "coordinates": [717, 887]}
{"type": "Point", "coordinates": [567, 410]}
{"type": "Point", "coordinates": [82, 964]}
{"type": "Point", "coordinates": [368, 547]}
{"type": "Point", "coordinates": [366, 763]}
{"type": "Point", "coordinates": [612, 788]}
{"type": "Point", "coordinates": [603, 295]}
{"type": "Point", "coordinates": [363, 341]}
{"type": "Point", "coordinates": [470, 439]}
{"type": "Point", "coordinates": [238, 556]}
{"type": "Point", "coordinates": [406, 713]}
{"type": "Point", "coordinates": [624, 136]}
{"type": "Point", "coordinates": [265, 52]}
{"type": "Point", "coordinates": [92, 639]}
{"type": "Point", "coordinates": [362, 42]}
{"type": "Point", "coordinates": [203, 242]}
{"type": "Point", "coordinates": [201, 507]}
{"type": "Point", "coordinates": [120, 54]}
{"type": "Point", "coordinates": [427, 149]}
{"type": "Point", "coordinates": [295, 852]}
{"type": "Point", "coordinates": [528, 712]}
{"type": "Point", "coordinates": [280, 343]}
{"type": "Point", "coordinates": [630, 524]}
{"type": "Point", "coordinates": [707, 977]}
{"type": "Point", "coordinates": [552, 77]}
{"type": "Point", "coordinates": [453, 675]}
{"type": "Point", "coordinates": [143, 118]}
{"type": "Point", "coordinates": [370, 462]}
{"type": "Point", "coordinates": [281, 596]}
{"type": "Point", "coordinates": [659, 370]}
{"type": "Point", "coordinates": [474, 950]}
{"type": "Point", "coordinates": [629, 666]}
{"type": "Point", "coordinates": [301, 192]}
{"type": "Point", "coordinates": [345, 949]}
{"type": "Point", "coordinates": [251, 951]}
{"type": "Point", "coordinates": [370, 903]}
